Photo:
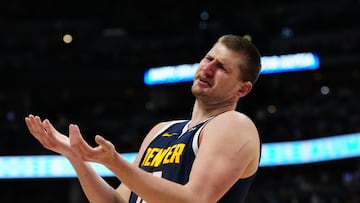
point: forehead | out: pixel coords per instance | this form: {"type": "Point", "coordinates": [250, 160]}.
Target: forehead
{"type": "Point", "coordinates": [226, 56]}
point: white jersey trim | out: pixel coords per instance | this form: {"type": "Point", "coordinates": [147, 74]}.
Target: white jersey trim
{"type": "Point", "coordinates": [195, 142]}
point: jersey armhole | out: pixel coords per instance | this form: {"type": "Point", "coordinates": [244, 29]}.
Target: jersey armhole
{"type": "Point", "coordinates": [195, 142]}
{"type": "Point", "coordinates": [166, 127]}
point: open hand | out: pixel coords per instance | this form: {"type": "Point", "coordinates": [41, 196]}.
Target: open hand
{"type": "Point", "coordinates": [47, 135]}
{"type": "Point", "coordinates": [104, 153]}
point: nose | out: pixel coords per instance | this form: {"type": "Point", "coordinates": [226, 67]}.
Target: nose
{"type": "Point", "coordinates": [209, 68]}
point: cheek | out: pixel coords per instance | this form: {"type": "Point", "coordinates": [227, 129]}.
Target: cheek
{"type": "Point", "coordinates": [198, 70]}
{"type": "Point", "coordinates": [230, 85]}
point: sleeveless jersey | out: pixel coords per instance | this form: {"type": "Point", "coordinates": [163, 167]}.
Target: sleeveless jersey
{"type": "Point", "coordinates": [171, 154]}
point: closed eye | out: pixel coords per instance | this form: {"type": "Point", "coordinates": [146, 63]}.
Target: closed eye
{"type": "Point", "coordinates": [221, 66]}
{"type": "Point", "coordinates": [209, 58]}
{"type": "Point", "coordinates": [218, 64]}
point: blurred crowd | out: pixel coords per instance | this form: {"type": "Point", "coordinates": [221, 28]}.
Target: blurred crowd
{"type": "Point", "coordinates": [291, 106]}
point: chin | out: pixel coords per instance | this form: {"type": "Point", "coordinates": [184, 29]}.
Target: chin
{"type": "Point", "coordinates": [193, 90]}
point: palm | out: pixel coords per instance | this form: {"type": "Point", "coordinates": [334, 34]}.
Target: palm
{"type": "Point", "coordinates": [103, 153]}
{"type": "Point", "coordinates": [47, 135]}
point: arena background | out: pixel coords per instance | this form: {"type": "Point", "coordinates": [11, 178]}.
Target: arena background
{"type": "Point", "coordinates": [96, 81]}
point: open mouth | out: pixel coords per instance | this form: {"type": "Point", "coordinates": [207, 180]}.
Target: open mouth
{"type": "Point", "coordinates": [204, 81]}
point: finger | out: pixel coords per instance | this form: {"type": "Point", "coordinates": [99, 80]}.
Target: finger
{"type": "Point", "coordinates": [75, 135]}
{"type": "Point", "coordinates": [78, 143]}
{"type": "Point", "coordinates": [30, 122]}
{"type": "Point", "coordinates": [107, 145]}
{"type": "Point", "coordinates": [35, 126]}
{"type": "Point", "coordinates": [49, 128]}
{"type": "Point", "coordinates": [30, 126]}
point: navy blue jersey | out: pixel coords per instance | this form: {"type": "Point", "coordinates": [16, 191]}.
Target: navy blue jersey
{"type": "Point", "coordinates": [171, 155]}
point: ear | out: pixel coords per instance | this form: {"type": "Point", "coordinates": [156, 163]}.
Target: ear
{"type": "Point", "coordinates": [245, 88]}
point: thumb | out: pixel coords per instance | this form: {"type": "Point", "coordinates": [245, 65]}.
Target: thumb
{"type": "Point", "coordinates": [75, 135]}
{"type": "Point", "coordinates": [49, 127]}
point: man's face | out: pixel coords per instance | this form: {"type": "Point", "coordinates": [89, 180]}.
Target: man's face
{"type": "Point", "coordinates": [217, 77]}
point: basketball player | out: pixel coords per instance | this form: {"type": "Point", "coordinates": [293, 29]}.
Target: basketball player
{"type": "Point", "coordinates": [213, 157]}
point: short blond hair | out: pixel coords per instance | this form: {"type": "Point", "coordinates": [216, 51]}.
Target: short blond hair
{"type": "Point", "coordinates": [250, 71]}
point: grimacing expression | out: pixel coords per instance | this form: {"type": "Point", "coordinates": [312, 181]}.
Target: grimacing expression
{"type": "Point", "coordinates": [217, 77]}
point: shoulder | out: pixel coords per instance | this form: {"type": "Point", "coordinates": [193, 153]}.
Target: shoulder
{"type": "Point", "coordinates": [158, 128]}
{"type": "Point", "coordinates": [233, 120]}
{"type": "Point", "coordinates": [231, 128]}
{"type": "Point", "coordinates": [161, 126]}
{"type": "Point", "coordinates": [232, 136]}
{"type": "Point", "coordinates": [154, 131]}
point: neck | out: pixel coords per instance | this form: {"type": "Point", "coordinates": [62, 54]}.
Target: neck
{"type": "Point", "coordinates": [202, 111]}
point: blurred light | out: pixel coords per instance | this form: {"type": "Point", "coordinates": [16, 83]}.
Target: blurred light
{"type": "Point", "coordinates": [248, 37]}
{"type": "Point", "coordinates": [47, 166]}
{"type": "Point", "coordinates": [270, 65]}
{"type": "Point", "coordinates": [170, 74]}
{"type": "Point", "coordinates": [204, 16]}
{"type": "Point", "coordinates": [348, 177]}
{"type": "Point", "coordinates": [67, 38]}
{"type": "Point", "coordinates": [272, 154]}
{"type": "Point", "coordinates": [287, 32]}
{"type": "Point", "coordinates": [324, 90]}
{"type": "Point", "coordinates": [311, 151]}
{"type": "Point", "coordinates": [289, 63]}
{"type": "Point", "coordinates": [272, 109]}
{"type": "Point", "coordinates": [10, 116]}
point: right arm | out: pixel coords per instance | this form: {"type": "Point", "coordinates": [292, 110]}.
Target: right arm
{"type": "Point", "coordinates": [95, 188]}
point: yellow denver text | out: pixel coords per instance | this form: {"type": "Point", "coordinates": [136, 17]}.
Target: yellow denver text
{"type": "Point", "coordinates": [156, 156]}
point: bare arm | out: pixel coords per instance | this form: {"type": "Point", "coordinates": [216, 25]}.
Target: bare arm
{"type": "Point", "coordinates": [224, 156]}
{"type": "Point", "coordinates": [95, 188]}
{"type": "Point", "coordinates": [229, 150]}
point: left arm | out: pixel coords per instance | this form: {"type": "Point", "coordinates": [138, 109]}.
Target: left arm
{"type": "Point", "coordinates": [229, 150]}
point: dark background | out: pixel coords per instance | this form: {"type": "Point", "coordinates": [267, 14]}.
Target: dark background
{"type": "Point", "coordinates": [96, 81]}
